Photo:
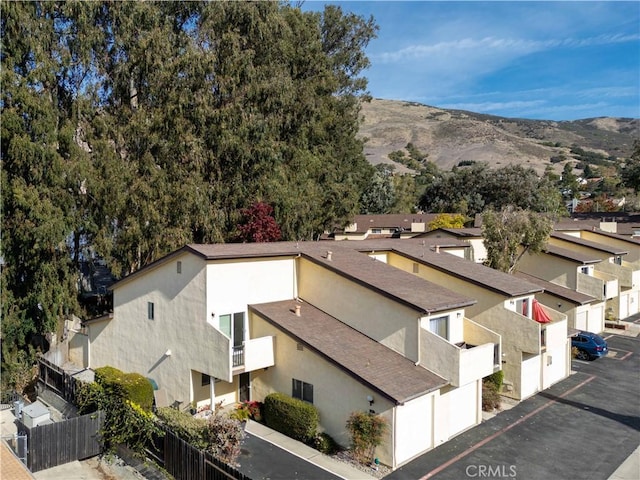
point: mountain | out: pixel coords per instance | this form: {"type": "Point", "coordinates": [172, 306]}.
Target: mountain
{"type": "Point", "coordinates": [452, 136]}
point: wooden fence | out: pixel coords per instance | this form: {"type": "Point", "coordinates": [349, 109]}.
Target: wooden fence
{"type": "Point", "coordinates": [63, 442]}
{"type": "Point", "coordinates": [57, 380]}
{"type": "Point", "coordinates": [186, 462]}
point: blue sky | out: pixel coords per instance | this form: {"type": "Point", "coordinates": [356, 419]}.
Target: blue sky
{"type": "Point", "coordinates": [539, 60]}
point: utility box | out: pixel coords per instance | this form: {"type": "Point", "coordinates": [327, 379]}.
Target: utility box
{"type": "Point", "coordinates": [35, 414]}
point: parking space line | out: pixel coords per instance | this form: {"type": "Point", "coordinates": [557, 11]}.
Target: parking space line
{"type": "Point", "coordinates": [473, 448]}
{"type": "Point", "coordinates": [624, 357]}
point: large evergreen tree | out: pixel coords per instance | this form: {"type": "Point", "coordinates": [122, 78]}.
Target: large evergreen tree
{"type": "Point", "coordinates": [132, 128]}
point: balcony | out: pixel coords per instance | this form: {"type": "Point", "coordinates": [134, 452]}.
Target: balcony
{"type": "Point", "coordinates": [253, 355]}
{"type": "Point", "coordinates": [602, 286]}
{"type": "Point", "coordinates": [628, 274]}
{"type": "Point", "coordinates": [474, 358]}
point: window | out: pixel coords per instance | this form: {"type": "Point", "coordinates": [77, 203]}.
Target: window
{"type": "Point", "coordinates": [206, 379]}
{"type": "Point", "coordinates": [584, 270]}
{"type": "Point", "coordinates": [440, 326]}
{"type": "Point", "coordinates": [225, 324]}
{"type": "Point", "coordinates": [617, 260]}
{"type": "Point", "coordinates": [302, 390]}
{"type": "Point", "coordinates": [376, 230]}
{"type": "Point", "coordinates": [179, 267]}
{"type": "Point", "coordinates": [232, 325]}
{"type": "Point", "coordinates": [150, 311]}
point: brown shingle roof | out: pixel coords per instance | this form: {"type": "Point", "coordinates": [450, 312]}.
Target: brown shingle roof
{"type": "Point", "coordinates": [415, 292]}
{"type": "Point", "coordinates": [557, 290]}
{"type": "Point", "coordinates": [423, 296]}
{"type": "Point", "coordinates": [467, 270]}
{"type": "Point", "coordinates": [368, 361]}
{"type": "Point", "coordinates": [567, 254]}
{"type": "Point", "coordinates": [470, 232]}
{"type": "Point", "coordinates": [609, 249]}
{"type": "Point", "coordinates": [399, 220]}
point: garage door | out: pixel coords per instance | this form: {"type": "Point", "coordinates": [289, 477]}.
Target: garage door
{"type": "Point", "coordinates": [581, 321]}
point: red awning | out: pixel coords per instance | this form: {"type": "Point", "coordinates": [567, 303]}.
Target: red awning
{"type": "Point", "coordinates": [539, 315]}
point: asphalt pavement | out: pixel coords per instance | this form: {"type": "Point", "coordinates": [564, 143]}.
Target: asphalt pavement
{"type": "Point", "coordinates": [584, 427]}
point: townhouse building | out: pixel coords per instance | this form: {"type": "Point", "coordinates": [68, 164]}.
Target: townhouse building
{"type": "Point", "coordinates": [535, 339]}
{"type": "Point", "coordinates": [329, 325]}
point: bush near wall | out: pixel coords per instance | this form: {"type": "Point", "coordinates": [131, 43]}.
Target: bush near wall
{"type": "Point", "coordinates": [136, 388]}
{"type": "Point", "coordinates": [291, 416]}
{"type": "Point", "coordinates": [190, 429]}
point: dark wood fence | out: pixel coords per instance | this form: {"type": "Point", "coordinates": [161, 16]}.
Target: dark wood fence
{"type": "Point", "coordinates": [57, 380]}
{"type": "Point", "coordinates": [63, 442]}
{"type": "Point", "coordinates": [186, 462]}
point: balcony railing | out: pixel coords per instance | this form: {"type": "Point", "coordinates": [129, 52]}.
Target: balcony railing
{"type": "Point", "coordinates": [252, 355]}
{"type": "Point", "coordinates": [471, 360]}
{"type": "Point", "coordinates": [238, 356]}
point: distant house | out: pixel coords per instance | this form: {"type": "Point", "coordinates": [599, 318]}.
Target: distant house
{"type": "Point", "coordinates": [472, 235]}
{"type": "Point", "coordinates": [336, 328]}
{"type": "Point", "coordinates": [385, 226]}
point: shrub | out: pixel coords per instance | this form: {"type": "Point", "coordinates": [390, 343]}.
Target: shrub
{"type": "Point", "coordinates": [324, 443]}
{"type": "Point", "coordinates": [490, 397]}
{"type": "Point", "coordinates": [574, 352]}
{"type": "Point", "coordinates": [224, 437]}
{"type": "Point", "coordinates": [136, 388]}
{"type": "Point", "coordinates": [191, 430]}
{"type": "Point", "coordinates": [367, 431]}
{"type": "Point", "coordinates": [496, 379]}
{"type": "Point", "coordinates": [125, 421]}
{"type": "Point", "coordinates": [291, 416]}
{"type": "Point", "coordinates": [245, 410]}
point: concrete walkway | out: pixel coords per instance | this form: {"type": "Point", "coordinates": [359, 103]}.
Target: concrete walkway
{"type": "Point", "coordinates": [630, 468]}
{"type": "Point", "coordinates": [301, 450]}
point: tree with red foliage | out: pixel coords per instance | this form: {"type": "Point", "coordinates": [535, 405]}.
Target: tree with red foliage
{"type": "Point", "coordinates": [258, 225]}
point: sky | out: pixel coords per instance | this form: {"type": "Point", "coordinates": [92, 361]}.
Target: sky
{"type": "Point", "coordinates": [538, 60]}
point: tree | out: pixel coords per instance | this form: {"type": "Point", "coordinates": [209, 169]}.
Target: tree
{"type": "Point", "coordinates": [379, 197]}
{"type": "Point", "coordinates": [631, 171]}
{"type": "Point", "coordinates": [131, 128]}
{"type": "Point", "coordinates": [510, 233]}
{"type": "Point", "coordinates": [447, 220]}
{"type": "Point", "coordinates": [470, 190]}
{"type": "Point", "coordinates": [258, 225]}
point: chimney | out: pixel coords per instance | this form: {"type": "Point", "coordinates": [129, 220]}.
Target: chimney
{"type": "Point", "coordinates": [329, 253]}
{"type": "Point", "coordinates": [437, 248]}
{"type": "Point", "coordinates": [297, 310]}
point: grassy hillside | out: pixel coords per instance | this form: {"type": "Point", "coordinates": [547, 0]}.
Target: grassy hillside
{"type": "Point", "coordinates": [452, 136]}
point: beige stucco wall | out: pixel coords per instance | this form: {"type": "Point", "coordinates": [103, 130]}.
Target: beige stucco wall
{"type": "Point", "coordinates": [79, 349]}
{"type": "Point", "coordinates": [335, 393]}
{"type": "Point", "coordinates": [383, 319]}
{"type": "Point", "coordinates": [550, 268]}
{"type": "Point", "coordinates": [633, 250]}
{"type": "Point", "coordinates": [183, 324]}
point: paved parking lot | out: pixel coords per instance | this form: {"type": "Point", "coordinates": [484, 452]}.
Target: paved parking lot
{"type": "Point", "coordinates": [582, 427]}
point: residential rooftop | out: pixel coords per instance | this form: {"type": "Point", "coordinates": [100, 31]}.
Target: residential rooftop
{"type": "Point", "coordinates": [391, 374]}
{"type": "Point", "coordinates": [571, 255]}
{"type": "Point", "coordinates": [609, 249]}
{"type": "Point", "coordinates": [421, 252]}
{"type": "Point", "coordinates": [557, 290]}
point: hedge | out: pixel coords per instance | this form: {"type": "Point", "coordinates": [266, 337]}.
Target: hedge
{"type": "Point", "coordinates": [135, 387]}
{"type": "Point", "coordinates": [292, 417]}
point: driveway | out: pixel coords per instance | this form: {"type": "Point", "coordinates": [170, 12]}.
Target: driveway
{"type": "Point", "coordinates": [582, 427]}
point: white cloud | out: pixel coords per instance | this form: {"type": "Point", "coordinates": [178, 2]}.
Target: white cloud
{"type": "Point", "coordinates": [494, 106]}
{"type": "Point", "coordinates": [487, 46]}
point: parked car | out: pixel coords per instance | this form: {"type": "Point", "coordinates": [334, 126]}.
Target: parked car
{"type": "Point", "coordinates": [589, 345]}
